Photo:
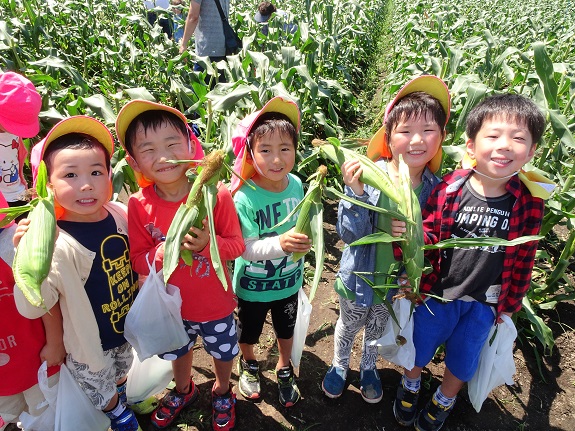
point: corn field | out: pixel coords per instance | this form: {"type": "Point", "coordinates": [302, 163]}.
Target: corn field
{"type": "Point", "coordinates": [92, 57]}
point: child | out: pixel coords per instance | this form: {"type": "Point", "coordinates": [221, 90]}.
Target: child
{"type": "Point", "coordinates": [479, 284]}
{"type": "Point", "coordinates": [24, 343]}
{"type": "Point", "coordinates": [20, 105]}
{"type": "Point", "coordinates": [414, 127]}
{"type": "Point", "coordinates": [265, 277]}
{"type": "Point", "coordinates": [91, 278]}
{"type": "Point", "coordinates": [153, 134]}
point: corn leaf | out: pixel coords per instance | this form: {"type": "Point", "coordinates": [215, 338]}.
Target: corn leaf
{"type": "Point", "coordinates": [210, 197]}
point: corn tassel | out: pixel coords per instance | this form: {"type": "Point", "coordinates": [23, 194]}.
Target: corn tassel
{"type": "Point", "coordinates": [33, 257]}
{"type": "Point", "coordinates": [192, 213]}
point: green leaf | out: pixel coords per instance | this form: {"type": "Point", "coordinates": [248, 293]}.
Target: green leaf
{"type": "Point", "coordinates": [480, 242]}
{"type": "Point", "coordinates": [318, 245]}
{"type": "Point", "coordinates": [210, 198]}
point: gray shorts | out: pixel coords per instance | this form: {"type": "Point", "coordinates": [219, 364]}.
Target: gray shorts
{"type": "Point", "coordinates": [100, 386]}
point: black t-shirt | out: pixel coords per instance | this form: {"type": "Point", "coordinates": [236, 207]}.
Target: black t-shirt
{"type": "Point", "coordinates": [476, 271]}
{"type": "Point", "coordinates": [112, 284]}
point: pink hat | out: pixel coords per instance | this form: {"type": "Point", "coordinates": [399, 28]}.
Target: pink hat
{"type": "Point", "coordinates": [134, 108]}
{"type": "Point", "coordinates": [20, 105]}
{"type": "Point", "coordinates": [378, 146]}
{"type": "Point", "coordinates": [243, 129]}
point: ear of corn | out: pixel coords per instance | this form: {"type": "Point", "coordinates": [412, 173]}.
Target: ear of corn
{"type": "Point", "coordinates": [310, 222]}
{"type": "Point", "coordinates": [192, 213]}
{"type": "Point", "coordinates": [372, 174]}
{"type": "Point", "coordinates": [34, 253]}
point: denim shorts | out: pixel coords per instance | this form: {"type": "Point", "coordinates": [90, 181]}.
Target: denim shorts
{"type": "Point", "coordinates": [220, 339]}
{"type": "Point", "coordinates": [463, 327]}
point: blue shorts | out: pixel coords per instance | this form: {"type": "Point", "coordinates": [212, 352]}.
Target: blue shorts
{"type": "Point", "coordinates": [463, 327]}
{"type": "Point", "coordinates": [219, 337]}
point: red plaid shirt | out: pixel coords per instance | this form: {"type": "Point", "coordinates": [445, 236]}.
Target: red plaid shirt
{"type": "Point", "coordinates": [526, 217]}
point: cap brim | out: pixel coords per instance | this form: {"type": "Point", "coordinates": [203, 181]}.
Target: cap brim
{"type": "Point", "coordinates": [429, 84]}
{"type": "Point", "coordinates": [81, 124]}
{"type": "Point", "coordinates": [134, 108]}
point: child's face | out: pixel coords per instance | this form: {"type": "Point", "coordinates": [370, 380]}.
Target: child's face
{"type": "Point", "coordinates": [80, 183]}
{"type": "Point", "coordinates": [273, 158]}
{"type": "Point", "coordinates": [153, 148]}
{"type": "Point", "coordinates": [501, 147]}
{"type": "Point", "coordinates": [417, 139]}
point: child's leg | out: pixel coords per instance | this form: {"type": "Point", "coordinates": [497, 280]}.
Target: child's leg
{"type": "Point", "coordinates": [10, 408]}
{"type": "Point", "coordinates": [375, 323]}
{"type": "Point", "coordinates": [351, 319]}
{"type": "Point", "coordinates": [284, 348]}
{"type": "Point", "coordinates": [223, 372]}
{"type": "Point", "coordinates": [182, 368]}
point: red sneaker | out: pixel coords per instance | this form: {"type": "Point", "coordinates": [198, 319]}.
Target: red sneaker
{"type": "Point", "coordinates": [224, 411]}
{"type": "Point", "coordinates": [172, 404]}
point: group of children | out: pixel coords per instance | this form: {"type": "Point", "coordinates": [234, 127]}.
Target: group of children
{"type": "Point", "coordinates": [102, 249]}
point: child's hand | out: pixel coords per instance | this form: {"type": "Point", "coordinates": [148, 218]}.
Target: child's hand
{"type": "Point", "coordinates": [351, 170]}
{"type": "Point", "coordinates": [197, 239]}
{"type": "Point", "coordinates": [20, 231]}
{"type": "Point", "coordinates": [499, 320]}
{"type": "Point", "coordinates": [292, 242]}
{"type": "Point", "coordinates": [397, 227]}
{"type": "Point", "coordinates": [53, 353]}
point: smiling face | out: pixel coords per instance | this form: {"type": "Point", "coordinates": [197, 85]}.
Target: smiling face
{"type": "Point", "coordinates": [80, 182]}
{"type": "Point", "coordinates": [273, 157]}
{"type": "Point", "coordinates": [151, 150]}
{"type": "Point", "coordinates": [417, 139]}
{"type": "Point", "coordinates": [501, 147]}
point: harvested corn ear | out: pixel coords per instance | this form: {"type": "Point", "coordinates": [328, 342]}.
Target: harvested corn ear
{"type": "Point", "coordinates": [192, 213]}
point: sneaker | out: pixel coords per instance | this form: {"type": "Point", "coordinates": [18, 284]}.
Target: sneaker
{"type": "Point", "coordinates": [125, 422]}
{"type": "Point", "coordinates": [432, 417]}
{"type": "Point", "coordinates": [224, 411]}
{"type": "Point", "coordinates": [146, 406]}
{"type": "Point", "coordinates": [405, 406]}
{"type": "Point", "coordinates": [288, 390]}
{"type": "Point", "coordinates": [171, 406]}
{"type": "Point", "coordinates": [370, 388]}
{"type": "Point", "coordinates": [249, 382]}
{"type": "Point", "coordinates": [334, 382]}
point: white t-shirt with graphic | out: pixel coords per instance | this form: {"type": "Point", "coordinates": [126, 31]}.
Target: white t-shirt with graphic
{"type": "Point", "coordinates": [12, 155]}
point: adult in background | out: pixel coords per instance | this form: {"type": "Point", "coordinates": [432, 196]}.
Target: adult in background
{"type": "Point", "coordinates": [205, 23]}
{"type": "Point", "coordinates": [165, 24]}
{"type": "Point", "coordinates": [265, 10]}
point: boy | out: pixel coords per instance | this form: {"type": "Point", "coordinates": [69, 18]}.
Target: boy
{"type": "Point", "coordinates": [265, 277]}
{"type": "Point", "coordinates": [20, 105]}
{"type": "Point", "coordinates": [152, 134]}
{"type": "Point", "coordinates": [414, 127]}
{"type": "Point", "coordinates": [91, 279]}
{"type": "Point", "coordinates": [25, 344]}
{"type": "Point", "coordinates": [492, 199]}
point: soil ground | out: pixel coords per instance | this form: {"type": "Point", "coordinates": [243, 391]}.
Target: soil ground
{"type": "Point", "coordinates": [540, 400]}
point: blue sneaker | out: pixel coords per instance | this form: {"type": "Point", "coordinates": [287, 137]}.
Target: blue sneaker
{"type": "Point", "coordinates": [125, 422]}
{"type": "Point", "coordinates": [405, 406]}
{"type": "Point", "coordinates": [370, 388]}
{"type": "Point", "coordinates": [334, 382]}
{"type": "Point", "coordinates": [433, 416]}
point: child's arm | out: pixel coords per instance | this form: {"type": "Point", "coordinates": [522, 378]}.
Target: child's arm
{"type": "Point", "coordinates": [53, 352]}
{"type": "Point", "coordinates": [353, 222]}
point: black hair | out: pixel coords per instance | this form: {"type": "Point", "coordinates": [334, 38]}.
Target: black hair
{"type": "Point", "coordinates": [271, 122]}
{"type": "Point", "coordinates": [510, 107]}
{"type": "Point", "coordinates": [152, 119]}
{"type": "Point", "coordinates": [415, 105]}
{"type": "Point", "coordinates": [73, 141]}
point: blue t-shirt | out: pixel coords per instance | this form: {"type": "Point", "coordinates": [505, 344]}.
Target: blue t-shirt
{"type": "Point", "coordinates": [112, 284]}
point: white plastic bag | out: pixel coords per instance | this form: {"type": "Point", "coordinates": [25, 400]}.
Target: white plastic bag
{"type": "Point", "coordinates": [496, 364]}
{"type": "Point", "coordinates": [45, 421]}
{"type": "Point", "coordinates": [74, 410]}
{"type": "Point", "coordinates": [304, 308]}
{"type": "Point", "coordinates": [396, 343]}
{"type": "Point", "coordinates": [154, 323]}
{"type": "Point", "coordinates": [147, 378]}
